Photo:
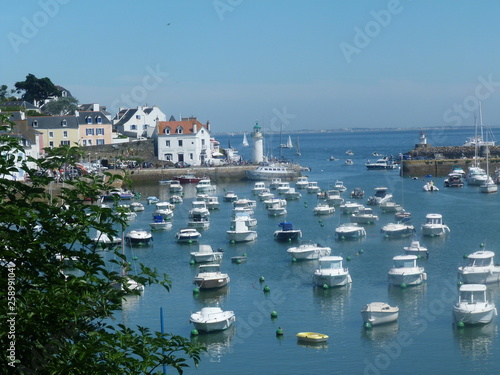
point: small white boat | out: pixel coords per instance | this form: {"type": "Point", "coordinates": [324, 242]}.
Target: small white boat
{"type": "Point", "coordinates": [166, 213]}
{"type": "Point", "coordinates": [416, 249]}
{"type": "Point", "coordinates": [376, 313]}
{"type": "Point", "coordinates": [210, 319]}
{"type": "Point", "coordinates": [212, 202]}
{"type": "Point", "coordinates": [434, 226]}
{"type": "Point", "coordinates": [175, 199]}
{"type": "Point", "coordinates": [188, 235]}
{"type": "Point", "coordinates": [348, 162]}
{"type": "Point", "coordinates": [323, 209]}
{"type": "Point", "coordinates": [159, 223]}
{"type": "Point", "coordinates": [283, 187]}
{"type": "Point", "coordinates": [103, 239]}
{"type": "Point", "coordinates": [139, 237]}
{"type": "Point", "coordinates": [397, 230]}
{"type": "Point", "coordinates": [381, 164]}
{"type": "Point", "coordinates": [164, 205]}
{"type": "Point", "coordinates": [175, 186]}
{"type": "Point", "coordinates": [241, 232]}
{"type": "Point", "coordinates": [265, 194]}
{"type": "Point", "coordinates": [454, 180]}
{"type": "Point", "coordinates": [349, 152]}
{"type": "Point", "coordinates": [274, 183]}
{"type": "Point", "coordinates": [205, 253]}
{"type": "Point", "coordinates": [258, 187]}
{"type": "Point", "coordinates": [205, 185]}
{"type": "Point", "coordinates": [405, 271]}
{"type": "Point", "coordinates": [244, 203]}
{"type": "Point", "coordinates": [381, 196]}
{"type": "Point", "coordinates": [476, 175]}
{"type": "Point", "coordinates": [480, 269]}
{"type": "Point", "coordinates": [244, 214]}
{"type": "Point", "coordinates": [331, 272]}
{"type": "Point", "coordinates": [349, 231]}
{"type": "Point", "coordinates": [333, 198]}
{"type": "Point", "coordinates": [276, 206]}
{"type": "Point", "coordinates": [199, 209]}
{"type": "Point", "coordinates": [301, 182]}
{"type": "Point", "coordinates": [152, 200]}
{"type": "Point", "coordinates": [292, 194]}
{"type": "Point", "coordinates": [349, 208]}
{"type": "Point", "coordinates": [136, 206]}
{"type": "Point", "coordinates": [339, 185]}
{"type": "Point", "coordinates": [199, 222]}
{"type": "Point", "coordinates": [210, 277]}
{"type": "Point", "coordinates": [364, 215]}
{"type": "Point", "coordinates": [473, 306]}
{"type": "Point", "coordinates": [309, 251]}
{"type": "Point", "coordinates": [287, 233]}
{"type": "Point", "coordinates": [312, 187]}
{"type": "Point", "coordinates": [230, 196]}
{"type": "Point", "coordinates": [390, 207]}
{"type": "Point", "coordinates": [429, 186]}
{"type": "Point", "coordinates": [357, 193]}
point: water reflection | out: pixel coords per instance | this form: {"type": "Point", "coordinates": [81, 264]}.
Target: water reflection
{"type": "Point", "coordinates": [409, 300]}
{"type": "Point", "coordinates": [476, 342]}
{"type": "Point", "coordinates": [332, 301]}
{"type": "Point", "coordinates": [380, 334]}
{"type": "Point", "coordinates": [216, 343]}
{"type": "Point", "coordinates": [211, 297]}
{"type": "Point", "coordinates": [312, 345]}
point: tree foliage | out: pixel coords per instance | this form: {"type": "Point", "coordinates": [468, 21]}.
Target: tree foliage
{"type": "Point", "coordinates": [62, 319]}
{"type": "Point", "coordinates": [36, 89]}
{"type": "Point", "coordinates": [61, 106]}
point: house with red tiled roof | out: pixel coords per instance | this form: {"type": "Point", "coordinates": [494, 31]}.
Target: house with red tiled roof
{"type": "Point", "coordinates": [187, 140]}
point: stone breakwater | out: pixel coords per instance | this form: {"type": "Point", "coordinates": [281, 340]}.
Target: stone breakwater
{"type": "Point", "coordinates": [452, 152]}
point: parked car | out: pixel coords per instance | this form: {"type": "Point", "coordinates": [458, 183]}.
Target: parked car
{"type": "Point", "coordinates": [181, 164]}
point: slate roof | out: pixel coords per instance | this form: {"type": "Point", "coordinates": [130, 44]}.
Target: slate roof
{"type": "Point", "coordinates": [19, 103]}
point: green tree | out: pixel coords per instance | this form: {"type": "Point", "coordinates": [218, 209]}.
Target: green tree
{"type": "Point", "coordinates": [36, 89]}
{"type": "Point", "coordinates": [61, 106]}
{"type": "Point", "coordinates": [4, 93]}
{"type": "Point", "coordinates": [59, 322]}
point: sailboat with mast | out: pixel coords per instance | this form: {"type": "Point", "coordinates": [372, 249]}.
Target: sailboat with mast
{"type": "Point", "coordinates": [489, 186]}
{"type": "Point", "coordinates": [297, 147]}
{"type": "Point", "coordinates": [245, 141]}
{"type": "Point", "coordinates": [475, 174]}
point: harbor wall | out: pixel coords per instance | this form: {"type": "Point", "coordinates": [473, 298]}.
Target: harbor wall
{"type": "Point", "coordinates": [441, 167]}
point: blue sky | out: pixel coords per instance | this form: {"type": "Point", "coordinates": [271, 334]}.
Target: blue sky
{"type": "Point", "coordinates": [296, 64]}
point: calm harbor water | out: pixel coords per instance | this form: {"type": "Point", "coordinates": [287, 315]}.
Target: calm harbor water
{"type": "Point", "coordinates": [423, 340]}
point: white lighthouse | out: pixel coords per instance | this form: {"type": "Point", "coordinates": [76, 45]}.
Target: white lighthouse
{"type": "Point", "coordinates": [258, 144]}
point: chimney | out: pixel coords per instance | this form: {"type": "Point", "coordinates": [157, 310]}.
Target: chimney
{"type": "Point", "coordinates": [194, 127]}
{"type": "Point", "coordinates": [95, 107]}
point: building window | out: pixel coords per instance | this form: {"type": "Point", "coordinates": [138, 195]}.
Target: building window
{"type": "Point", "coordinates": [89, 131]}
{"type": "Point", "coordinates": [64, 122]}
{"type": "Point", "coordinates": [191, 156]}
{"type": "Point", "coordinates": [169, 157]}
{"type": "Point", "coordinates": [100, 142]}
{"type": "Point", "coordinates": [65, 134]}
{"type": "Point", "coordinates": [90, 142]}
{"type": "Point", "coordinates": [85, 142]}
{"type": "Point", "coordinates": [35, 124]}
{"type": "Point", "coordinates": [133, 127]}
{"type": "Point", "coordinates": [167, 143]}
{"type": "Point", "coordinates": [64, 143]}
{"type": "Point", "coordinates": [167, 130]}
{"type": "Point", "coordinates": [51, 144]}
{"type": "Point", "coordinates": [51, 134]}
{"type": "Point", "coordinates": [203, 142]}
{"type": "Point", "coordinates": [99, 119]}
{"type": "Point", "coordinates": [180, 142]}
{"type": "Point", "coordinates": [89, 120]}
{"type": "Point", "coordinates": [144, 127]}
{"type": "Point", "coordinates": [99, 131]}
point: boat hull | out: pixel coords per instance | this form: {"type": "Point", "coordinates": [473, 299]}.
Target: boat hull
{"type": "Point", "coordinates": [331, 280]}
{"type": "Point", "coordinates": [408, 279]}
{"type": "Point", "coordinates": [247, 236]}
{"type": "Point", "coordinates": [470, 314]}
{"type": "Point", "coordinates": [309, 253]}
{"type": "Point", "coordinates": [486, 276]}
{"type": "Point", "coordinates": [289, 235]}
{"type": "Point", "coordinates": [211, 282]}
{"type": "Point", "coordinates": [214, 324]}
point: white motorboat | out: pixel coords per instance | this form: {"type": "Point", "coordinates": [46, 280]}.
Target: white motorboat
{"type": "Point", "coordinates": [199, 222]}
{"type": "Point", "coordinates": [152, 200]}
{"type": "Point", "coordinates": [357, 193]}
{"type": "Point", "coordinates": [265, 194]}
{"type": "Point", "coordinates": [166, 213]}
{"type": "Point", "coordinates": [241, 232]}
{"type": "Point", "coordinates": [136, 206]}
{"type": "Point", "coordinates": [270, 171]}
{"type": "Point", "coordinates": [104, 239]}
{"type": "Point", "coordinates": [274, 183]}
{"type": "Point", "coordinates": [164, 205]}
{"type": "Point", "coordinates": [301, 182]}
{"type": "Point", "coordinates": [309, 251]}
{"type": "Point", "coordinates": [429, 186]}
{"type": "Point", "coordinates": [198, 209]}
{"type": "Point", "coordinates": [175, 199]}
{"type": "Point", "coordinates": [390, 207]}
{"type": "Point", "coordinates": [283, 187]}
{"type": "Point", "coordinates": [473, 306]}
{"type": "Point", "coordinates": [212, 202]}
{"type": "Point", "coordinates": [453, 180]}
{"type": "Point", "coordinates": [292, 194]}
{"type": "Point", "coordinates": [159, 223]}
{"type": "Point", "coordinates": [333, 198]}
{"type": "Point", "coordinates": [364, 215]}
{"type": "Point", "coordinates": [434, 226]}
{"type": "Point", "coordinates": [210, 319]}
{"type": "Point", "coordinates": [331, 272]}
{"type": "Point", "coordinates": [457, 170]}
{"type": "Point", "coordinates": [258, 187]}
{"type": "Point", "coordinates": [476, 176]}
{"type": "Point", "coordinates": [489, 186]}
{"type": "Point", "coordinates": [205, 253]}
{"type": "Point", "coordinates": [230, 196]}
{"type": "Point", "coordinates": [348, 162]}
{"type": "Point", "coordinates": [323, 209]}
{"type": "Point", "coordinates": [349, 208]}
{"type": "Point", "coordinates": [416, 248]}
{"type": "Point", "coordinates": [244, 214]}
{"type": "Point", "coordinates": [479, 269]}
{"type": "Point", "coordinates": [139, 237]}
{"type": "Point", "coordinates": [287, 233]}
{"type": "Point", "coordinates": [376, 313]}
{"type": "Point", "coordinates": [276, 206]}
{"type": "Point", "coordinates": [397, 230]}
{"type": "Point", "coordinates": [244, 203]}
{"type": "Point", "coordinates": [209, 276]}
{"type": "Point", "coordinates": [175, 186]}
{"type": "Point", "coordinates": [381, 196]}
{"type": "Point", "coordinates": [205, 185]}
{"type": "Point", "coordinates": [405, 271]}
{"type": "Point", "coordinates": [187, 235]}
{"type": "Point", "coordinates": [381, 164]}
{"type": "Point", "coordinates": [312, 187]}
{"type": "Point", "coordinates": [348, 231]}
{"type": "Point", "coordinates": [349, 152]}
{"type": "Point", "coordinates": [339, 185]}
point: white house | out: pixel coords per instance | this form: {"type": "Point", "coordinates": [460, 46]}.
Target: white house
{"type": "Point", "coordinates": [138, 122]}
{"type": "Point", "coordinates": [186, 141]}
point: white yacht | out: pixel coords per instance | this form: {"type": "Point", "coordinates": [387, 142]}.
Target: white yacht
{"type": "Point", "coordinates": [390, 207]}
{"type": "Point", "coordinates": [333, 198]}
{"type": "Point", "coordinates": [283, 187]}
{"type": "Point", "coordinates": [198, 209]}
{"type": "Point", "coordinates": [205, 185]}
{"type": "Point", "coordinates": [397, 230]}
{"type": "Point", "coordinates": [205, 253]}
{"type": "Point", "coordinates": [258, 187]}
{"type": "Point", "coordinates": [405, 271]}
{"type": "Point", "coordinates": [210, 319]}
{"type": "Point", "coordinates": [376, 313]}
{"type": "Point", "coordinates": [382, 163]}
{"type": "Point", "coordinates": [434, 226]}
{"type": "Point", "coordinates": [349, 208]}
{"type": "Point", "coordinates": [473, 306]}
{"type": "Point", "coordinates": [276, 206]}
{"type": "Point", "coordinates": [381, 196]}
{"type": "Point", "coordinates": [480, 268]}
{"type": "Point", "coordinates": [301, 182]}
{"type": "Point", "coordinates": [331, 272]}
{"type": "Point", "coordinates": [292, 194]}
{"type": "Point", "coordinates": [364, 215]}
{"type": "Point", "coordinates": [416, 248]}
{"type": "Point", "coordinates": [241, 232]}
{"type": "Point", "coordinates": [210, 277]}
{"type": "Point", "coordinates": [339, 185]}
{"type": "Point", "coordinates": [312, 187]}
{"type": "Point", "coordinates": [349, 231]}
{"type": "Point", "coordinates": [308, 251]}
{"type": "Point", "coordinates": [323, 209]}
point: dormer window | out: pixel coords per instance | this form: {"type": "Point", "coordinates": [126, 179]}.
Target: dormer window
{"type": "Point", "coordinates": [89, 120]}
{"type": "Point", "coordinates": [99, 119]}
{"type": "Point", "coordinates": [35, 124]}
{"type": "Point", "coordinates": [167, 130]}
{"type": "Point", "coordinates": [179, 130]}
{"type": "Point", "coordinates": [64, 122]}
